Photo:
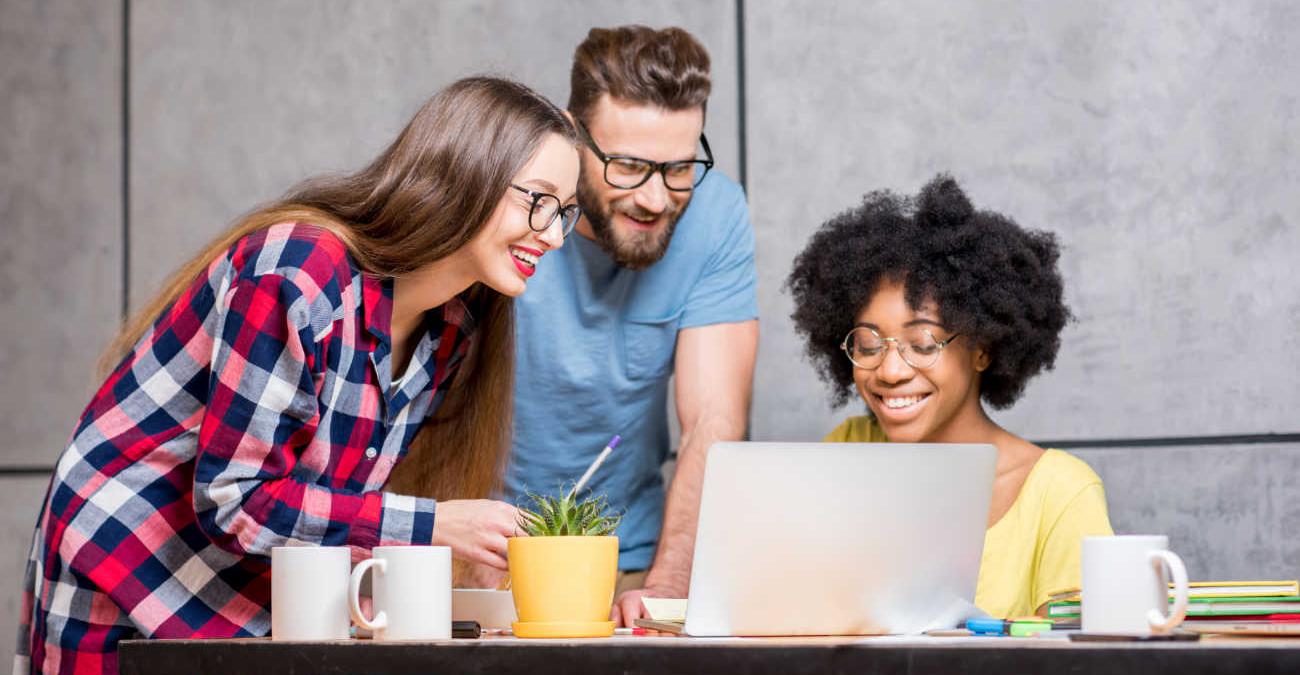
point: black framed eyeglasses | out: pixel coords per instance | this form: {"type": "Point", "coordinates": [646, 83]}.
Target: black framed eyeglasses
{"type": "Point", "coordinates": [918, 347]}
{"type": "Point", "coordinates": [546, 209]}
{"type": "Point", "coordinates": [629, 173]}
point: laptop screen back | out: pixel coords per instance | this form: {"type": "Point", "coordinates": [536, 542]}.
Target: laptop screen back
{"type": "Point", "coordinates": [838, 538]}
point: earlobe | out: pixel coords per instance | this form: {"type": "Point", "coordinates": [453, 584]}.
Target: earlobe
{"type": "Point", "coordinates": [982, 360]}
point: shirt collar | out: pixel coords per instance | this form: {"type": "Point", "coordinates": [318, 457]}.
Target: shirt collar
{"type": "Point", "coordinates": [377, 305]}
{"type": "Point", "coordinates": [455, 312]}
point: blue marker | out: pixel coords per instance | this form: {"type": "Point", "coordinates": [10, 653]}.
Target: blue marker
{"type": "Point", "coordinates": [987, 626]}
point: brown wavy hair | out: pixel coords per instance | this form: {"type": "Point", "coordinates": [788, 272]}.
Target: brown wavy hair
{"type": "Point", "coordinates": [667, 68]}
{"type": "Point", "coordinates": [426, 195]}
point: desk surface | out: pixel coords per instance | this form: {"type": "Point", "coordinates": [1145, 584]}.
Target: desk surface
{"type": "Point", "coordinates": [668, 654]}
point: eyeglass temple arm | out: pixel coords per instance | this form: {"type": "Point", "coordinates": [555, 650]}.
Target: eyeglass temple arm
{"type": "Point", "coordinates": [591, 142]}
{"type": "Point", "coordinates": [708, 152]}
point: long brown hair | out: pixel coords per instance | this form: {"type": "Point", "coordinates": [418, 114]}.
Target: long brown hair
{"type": "Point", "coordinates": [423, 198]}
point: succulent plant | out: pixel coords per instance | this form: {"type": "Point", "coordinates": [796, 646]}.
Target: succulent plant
{"type": "Point", "coordinates": [567, 516]}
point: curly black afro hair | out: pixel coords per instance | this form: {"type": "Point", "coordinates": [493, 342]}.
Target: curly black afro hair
{"type": "Point", "coordinates": [991, 280]}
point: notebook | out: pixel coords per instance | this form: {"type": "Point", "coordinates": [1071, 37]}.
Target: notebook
{"type": "Point", "coordinates": [1205, 606]}
{"type": "Point", "coordinates": [1244, 627]}
{"type": "Point", "coordinates": [1209, 589]}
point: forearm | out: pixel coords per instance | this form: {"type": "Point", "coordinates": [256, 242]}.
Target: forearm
{"type": "Point", "coordinates": [715, 370]}
{"type": "Point", "coordinates": [249, 517]}
{"type": "Point", "coordinates": [672, 563]}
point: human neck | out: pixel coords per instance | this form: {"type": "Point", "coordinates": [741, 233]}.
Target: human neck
{"type": "Point", "coordinates": [426, 288]}
{"type": "Point", "coordinates": [970, 425]}
{"type": "Point", "coordinates": [973, 425]}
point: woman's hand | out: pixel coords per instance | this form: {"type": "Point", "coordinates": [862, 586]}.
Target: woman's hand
{"type": "Point", "coordinates": [476, 529]}
{"type": "Point", "coordinates": [482, 576]}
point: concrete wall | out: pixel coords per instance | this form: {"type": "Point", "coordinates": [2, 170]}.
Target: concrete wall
{"type": "Point", "coordinates": [1157, 140]}
{"type": "Point", "coordinates": [61, 249]}
{"type": "Point", "coordinates": [269, 93]}
{"type": "Point", "coordinates": [61, 204]}
{"type": "Point", "coordinates": [1230, 512]}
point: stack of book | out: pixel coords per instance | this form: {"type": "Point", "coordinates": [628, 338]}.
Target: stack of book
{"type": "Point", "coordinates": [1214, 606]}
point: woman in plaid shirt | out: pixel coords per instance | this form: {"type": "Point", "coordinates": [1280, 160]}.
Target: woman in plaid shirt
{"type": "Point", "coordinates": [266, 395]}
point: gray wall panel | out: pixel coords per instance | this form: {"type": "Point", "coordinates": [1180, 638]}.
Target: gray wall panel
{"type": "Point", "coordinates": [60, 196]}
{"type": "Point", "coordinates": [1158, 140]}
{"type": "Point", "coordinates": [234, 102]}
{"type": "Point", "coordinates": [20, 501]}
{"type": "Point", "coordinates": [1230, 512]}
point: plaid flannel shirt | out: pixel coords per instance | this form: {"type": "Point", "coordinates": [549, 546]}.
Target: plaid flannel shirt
{"type": "Point", "coordinates": [259, 411]}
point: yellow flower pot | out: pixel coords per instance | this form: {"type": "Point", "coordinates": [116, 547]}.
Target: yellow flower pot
{"type": "Point", "coordinates": [563, 586]}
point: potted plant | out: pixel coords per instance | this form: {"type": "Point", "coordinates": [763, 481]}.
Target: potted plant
{"type": "Point", "coordinates": [562, 574]}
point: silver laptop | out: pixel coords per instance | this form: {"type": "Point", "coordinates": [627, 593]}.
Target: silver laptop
{"type": "Point", "coordinates": [838, 538]}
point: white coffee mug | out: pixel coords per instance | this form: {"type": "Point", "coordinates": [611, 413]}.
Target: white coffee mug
{"type": "Point", "coordinates": [309, 592]}
{"type": "Point", "coordinates": [1125, 590]}
{"type": "Point", "coordinates": [412, 593]}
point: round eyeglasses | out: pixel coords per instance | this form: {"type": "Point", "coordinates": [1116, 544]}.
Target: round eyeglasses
{"type": "Point", "coordinates": [630, 173]}
{"type": "Point", "coordinates": [547, 209]}
{"type": "Point", "coordinates": [918, 347]}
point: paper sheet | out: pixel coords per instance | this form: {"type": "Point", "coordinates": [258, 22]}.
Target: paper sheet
{"type": "Point", "coordinates": [665, 609]}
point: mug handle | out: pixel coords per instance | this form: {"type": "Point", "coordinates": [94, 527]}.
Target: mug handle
{"type": "Point", "coordinates": [354, 594]}
{"type": "Point", "coordinates": [1159, 622]}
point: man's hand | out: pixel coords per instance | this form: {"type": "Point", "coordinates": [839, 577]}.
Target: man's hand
{"type": "Point", "coordinates": [628, 608]}
{"type": "Point", "coordinates": [715, 373]}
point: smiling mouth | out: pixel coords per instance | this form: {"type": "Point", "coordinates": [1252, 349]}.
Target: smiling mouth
{"type": "Point", "coordinates": [901, 403]}
{"type": "Point", "coordinates": [525, 261]}
{"type": "Point", "coordinates": [642, 223]}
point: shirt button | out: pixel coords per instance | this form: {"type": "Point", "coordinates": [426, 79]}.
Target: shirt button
{"type": "Point", "coordinates": [371, 453]}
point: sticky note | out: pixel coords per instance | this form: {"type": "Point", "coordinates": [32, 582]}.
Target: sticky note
{"type": "Point", "coordinates": [665, 609]}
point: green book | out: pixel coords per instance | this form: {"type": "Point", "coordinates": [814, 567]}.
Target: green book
{"type": "Point", "coordinates": [1205, 606]}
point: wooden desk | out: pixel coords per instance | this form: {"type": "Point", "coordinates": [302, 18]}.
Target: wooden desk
{"type": "Point", "coordinates": [730, 656]}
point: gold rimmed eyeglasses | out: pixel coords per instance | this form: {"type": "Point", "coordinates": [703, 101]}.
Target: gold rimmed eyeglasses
{"type": "Point", "coordinates": [918, 347]}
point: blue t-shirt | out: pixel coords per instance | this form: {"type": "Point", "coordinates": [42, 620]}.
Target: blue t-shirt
{"type": "Point", "coordinates": [595, 345]}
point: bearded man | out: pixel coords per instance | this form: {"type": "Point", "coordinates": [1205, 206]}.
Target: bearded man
{"type": "Point", "coordinates": [661, 282]}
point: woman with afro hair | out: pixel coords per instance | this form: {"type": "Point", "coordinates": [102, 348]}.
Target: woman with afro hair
{"type": "Point", "coordinates": [930, 310]}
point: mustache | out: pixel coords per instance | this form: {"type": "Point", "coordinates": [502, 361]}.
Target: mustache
{"type": "Point", "coordinates": [634, 211]}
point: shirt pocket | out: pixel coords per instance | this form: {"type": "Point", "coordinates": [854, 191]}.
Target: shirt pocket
{"type": "Point", "coordinates": [648, 346]}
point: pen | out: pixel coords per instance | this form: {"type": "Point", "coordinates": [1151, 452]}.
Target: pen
{"type": "Point", "coordinates": [613, 443]}
{"type": "Point", "coordinates": [629, 631]}
{"type": "Point", "coordinates": [949, 632]}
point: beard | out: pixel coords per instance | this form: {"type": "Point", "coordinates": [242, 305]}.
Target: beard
{"type": "Point", "coordinates": [633, 250]}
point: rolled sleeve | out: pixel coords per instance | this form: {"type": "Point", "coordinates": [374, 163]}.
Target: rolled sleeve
{"type": "Point", "coordinates": [406, 520]}
{"type": "Point", "coordinates": [726, 293]}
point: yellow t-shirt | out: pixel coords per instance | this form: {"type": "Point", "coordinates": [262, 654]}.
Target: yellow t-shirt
{"type": "Point", "coordinates": [1034, 549]}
